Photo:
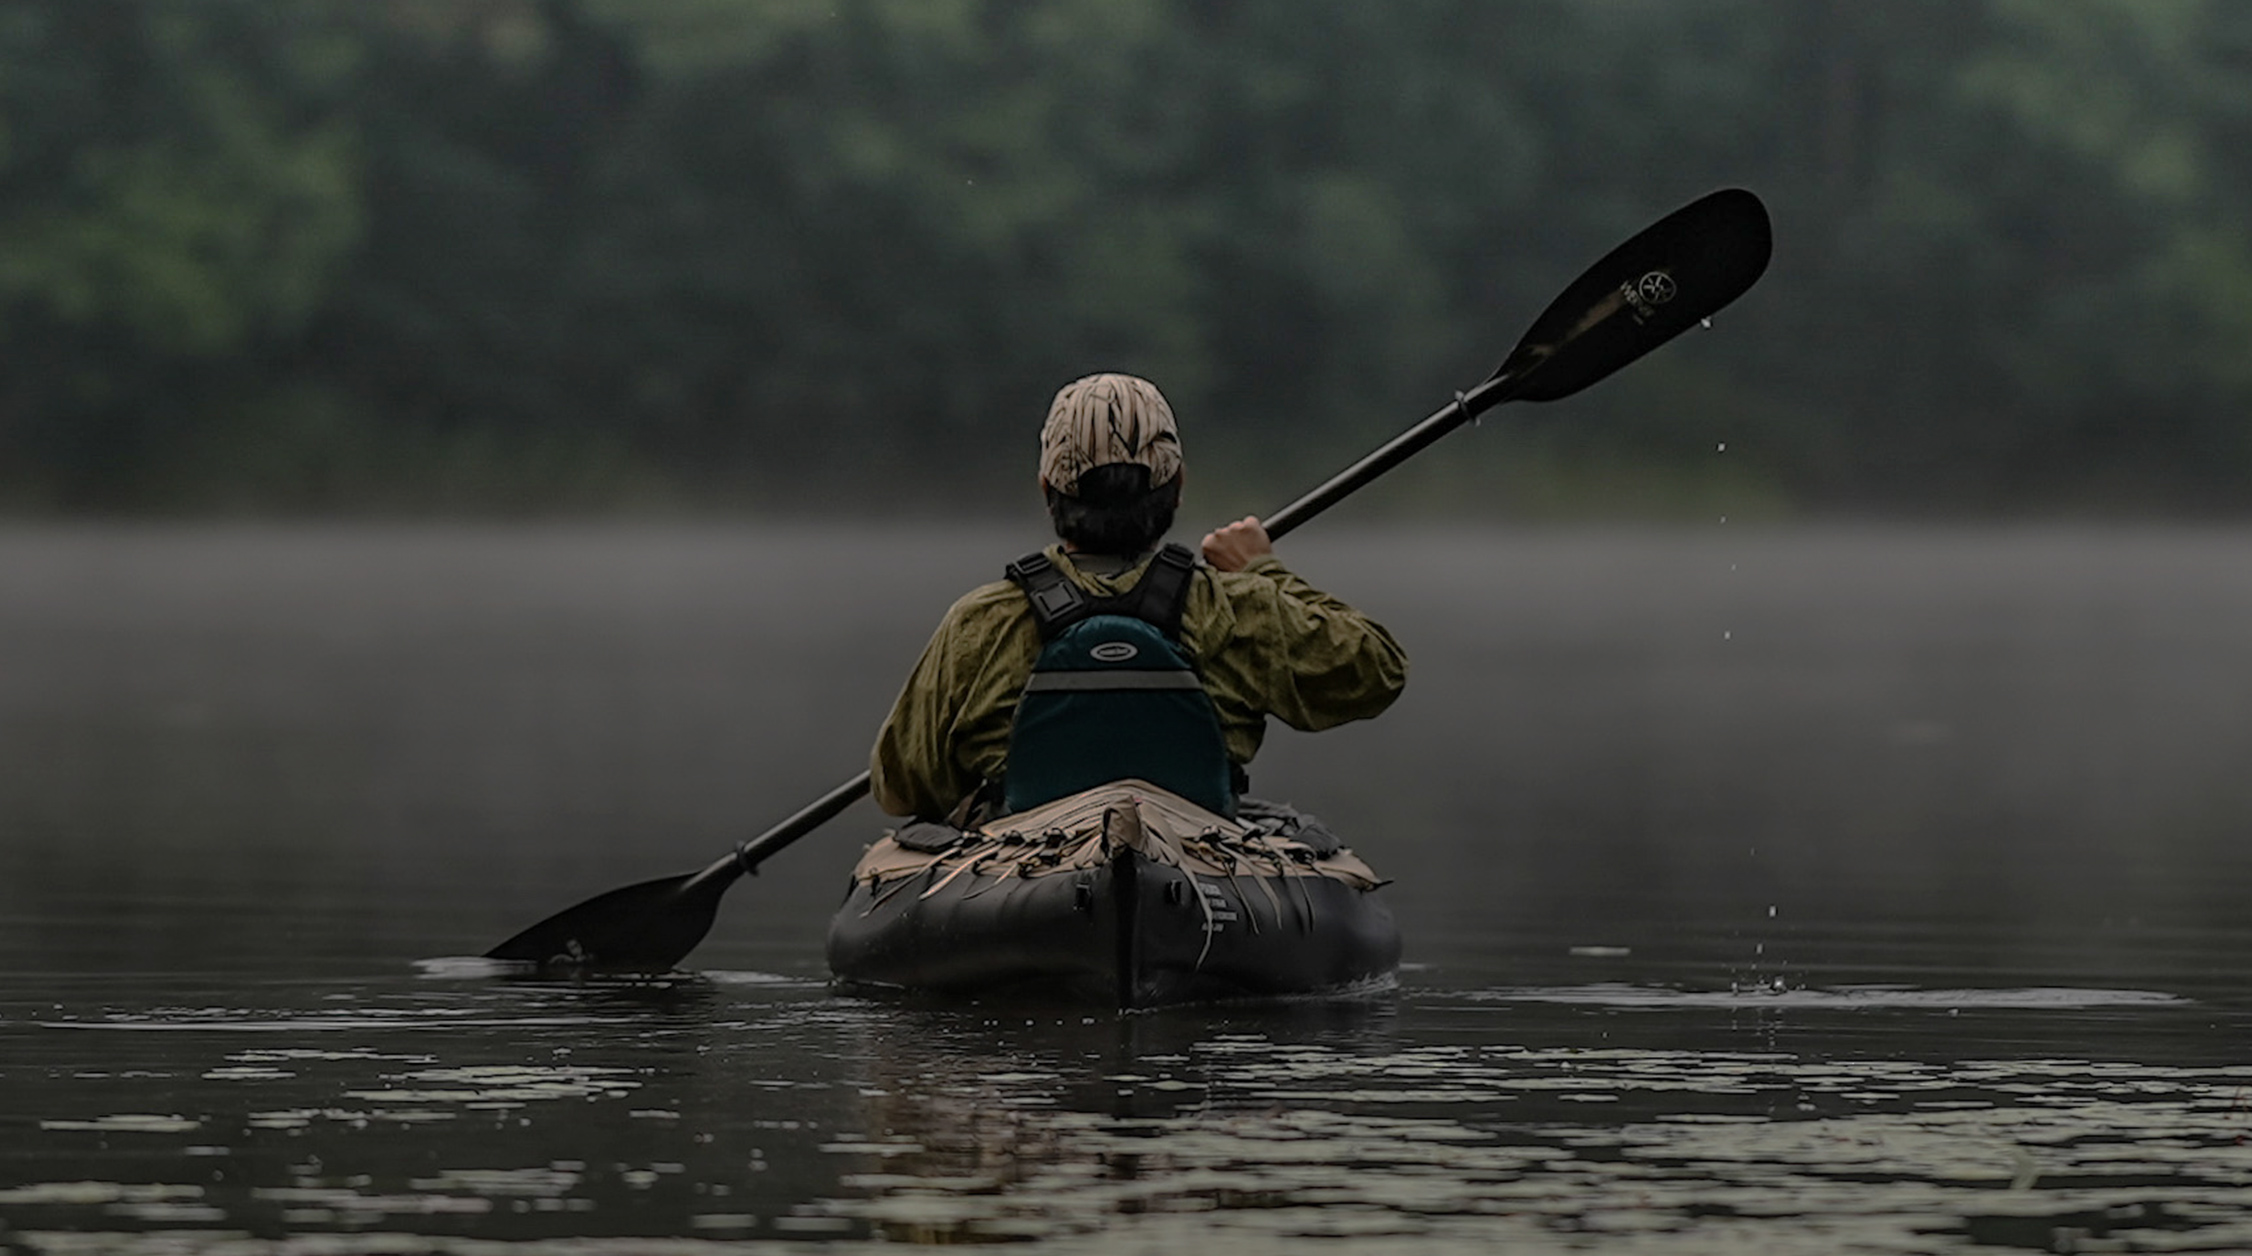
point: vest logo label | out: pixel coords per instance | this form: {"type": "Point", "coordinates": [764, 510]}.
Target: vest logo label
{"type": "Point", "coordinates": [1114, 651]}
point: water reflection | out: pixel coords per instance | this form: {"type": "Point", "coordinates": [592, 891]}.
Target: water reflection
{"type": "Point", "coordinates": [1776, 994]}
{"type": "Point", "coordinates": [750, 1111]}
{"type": "Point", "coordinates": [1267, 1136]}
{"type": "Point", "coordinates": [1906, 918]}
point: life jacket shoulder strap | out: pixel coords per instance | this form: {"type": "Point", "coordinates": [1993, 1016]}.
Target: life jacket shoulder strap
{"type": "Point", "coordinates": [1162, 594]}
{"type": "Point", "coordinates": [1158, 599]}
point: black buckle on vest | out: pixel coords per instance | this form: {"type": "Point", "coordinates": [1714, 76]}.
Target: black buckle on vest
{"type": "Point", "coordinates": [1055, 599]}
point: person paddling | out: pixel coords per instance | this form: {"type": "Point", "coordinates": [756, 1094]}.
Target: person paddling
{"type": "Point", "coordinates": [1327, 663]}
{"type": "Point", "coordinates": [1258, 639]}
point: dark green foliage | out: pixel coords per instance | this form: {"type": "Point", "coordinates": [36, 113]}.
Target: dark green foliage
{"type": "Point", "coordinates": [556, 254]}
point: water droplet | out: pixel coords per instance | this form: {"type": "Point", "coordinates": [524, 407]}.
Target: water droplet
{"type": "Point", "coordinates": [1721, 448]}
{"type": "Point", "coordinates": [1727, 635]}
{"type": "Point", "coordinates": [1771, 911]}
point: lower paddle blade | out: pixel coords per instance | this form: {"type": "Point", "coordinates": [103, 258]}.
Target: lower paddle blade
{"type": "Point", "coordinates": [1669, 278]}
{"type": "Point", "coordinates": [648, 927]}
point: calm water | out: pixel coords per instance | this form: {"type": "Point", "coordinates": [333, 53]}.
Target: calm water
{"type": "Point", "coordinates": [1825, 891]}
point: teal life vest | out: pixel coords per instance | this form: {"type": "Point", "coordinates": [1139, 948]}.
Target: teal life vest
{"type": "Point", "coordinates": [1112, 694]}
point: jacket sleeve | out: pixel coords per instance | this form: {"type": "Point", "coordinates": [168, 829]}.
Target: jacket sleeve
{"type": "Point", "coordinates": [1321, 663]}
{"type": "Point", "coordinates": [912, 770]}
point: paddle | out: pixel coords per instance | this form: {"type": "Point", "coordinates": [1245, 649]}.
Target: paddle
{"type": "Point", "coordinates": [1675, 274]}
{"type": "Point", "coordinates": [652, 926]}
{"type": "Point", "coordinates": [1670, 277]}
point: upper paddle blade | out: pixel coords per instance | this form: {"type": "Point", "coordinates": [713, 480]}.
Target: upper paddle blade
{"type": "Point", "coordinates": [1643, 293]}
{"type": "Point", "coordinates": [649, 927]}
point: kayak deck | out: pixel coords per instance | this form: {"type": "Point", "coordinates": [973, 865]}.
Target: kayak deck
{"type": "Point", "coordinates": [1125, 896]}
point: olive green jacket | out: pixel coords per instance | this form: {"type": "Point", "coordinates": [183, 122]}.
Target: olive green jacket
{"type": "Point", "coordinates": [1263, 641]}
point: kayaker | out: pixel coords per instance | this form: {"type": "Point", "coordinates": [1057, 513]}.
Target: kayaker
{"type": "Point", "coordinates": [1261, 639]}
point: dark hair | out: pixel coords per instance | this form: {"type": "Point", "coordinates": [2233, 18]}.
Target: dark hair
{"type": "Point", "coordinates": [1116, 511]}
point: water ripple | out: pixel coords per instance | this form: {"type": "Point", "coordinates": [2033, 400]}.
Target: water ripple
{"type": "Point", "coordinates": [1845, 998]}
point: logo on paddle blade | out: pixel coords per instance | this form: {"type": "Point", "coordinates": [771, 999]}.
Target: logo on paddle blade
{"type": "Point", "coordinates": [1114, 651]}
{"type": "Point", "coordinates": [1649, 292]}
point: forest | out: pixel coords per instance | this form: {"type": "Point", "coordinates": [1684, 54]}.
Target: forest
{"type": "Point", "coordinates": [762, 257]}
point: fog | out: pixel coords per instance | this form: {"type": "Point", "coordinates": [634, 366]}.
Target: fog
{"type": "Point", "coordinates": [1710, 737]}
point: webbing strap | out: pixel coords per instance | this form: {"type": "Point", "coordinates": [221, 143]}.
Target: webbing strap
{"type": "Point", "coordinates": [1162, 594]}
{"type": "Point", "coordinates": [1172, 678]}
{"type": "Point", "coordinates": [1159, 598]}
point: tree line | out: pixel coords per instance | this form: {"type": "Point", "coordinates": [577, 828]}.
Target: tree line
{"type": "Point", "coordinates": [540, 255]}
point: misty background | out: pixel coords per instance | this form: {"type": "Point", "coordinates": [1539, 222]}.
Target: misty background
{"type": "Point", "coordinates": [506, 257]}
{"type": "Point", "coordinates": [462, 454]}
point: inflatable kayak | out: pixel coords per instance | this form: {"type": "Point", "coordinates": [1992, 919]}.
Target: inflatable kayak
{"type": "Point", "coordinates": [1123, 895]}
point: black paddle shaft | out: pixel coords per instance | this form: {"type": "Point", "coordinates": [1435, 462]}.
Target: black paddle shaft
{"type": "Point", "coordinates": [1386, 456]}
{"type": "Point", "coordinates": [752, 853]}
{"type": "Point", "coordinates": [1670, 277]}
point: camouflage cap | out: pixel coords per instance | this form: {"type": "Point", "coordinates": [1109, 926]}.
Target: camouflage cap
{"type": "Point", "coordinates": [1104, 419]}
